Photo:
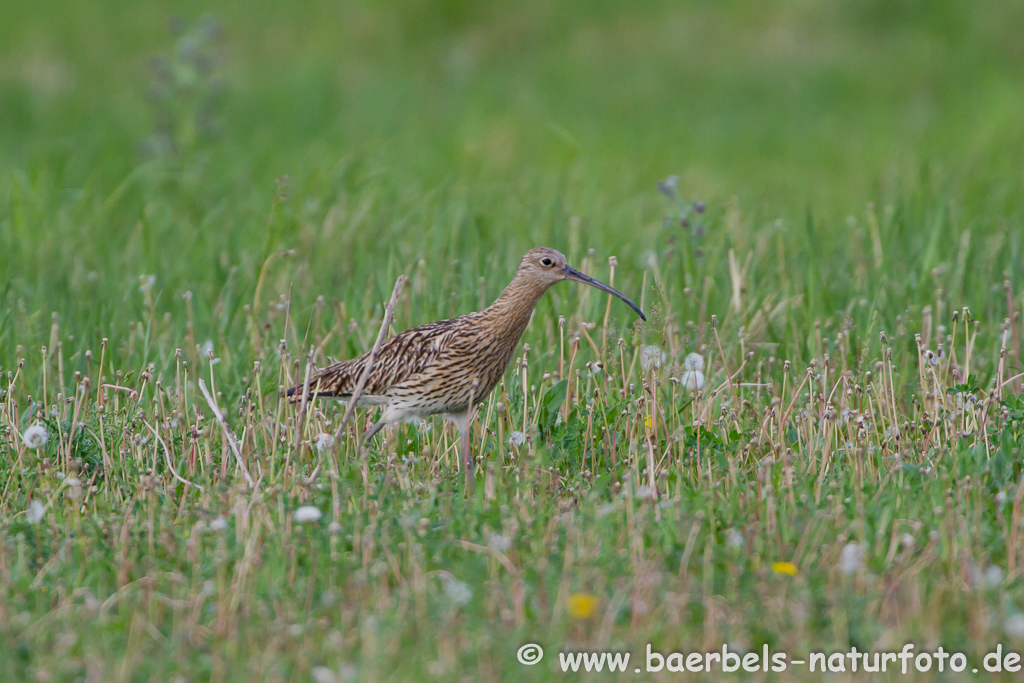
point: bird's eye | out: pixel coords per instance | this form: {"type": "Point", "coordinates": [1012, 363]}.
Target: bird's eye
{"type": "Point", "coordinates": [546, 262]}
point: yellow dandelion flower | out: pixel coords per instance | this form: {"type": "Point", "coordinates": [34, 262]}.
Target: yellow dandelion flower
{"type": "Point", "coordinates": [787, 568]}
{"type": "Point", "coordinates": [648, 422]}
{"type": "Point", "coordinates": [582, 605]}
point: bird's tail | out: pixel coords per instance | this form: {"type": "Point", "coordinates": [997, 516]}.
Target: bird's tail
{"type": "Point", "coordinates": [294, 394]}
{"type": "Point", "coordinates": [336, 381]}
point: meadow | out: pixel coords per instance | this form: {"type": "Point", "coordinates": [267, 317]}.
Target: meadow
{"type": "Point", "coordinates": [198, 204]}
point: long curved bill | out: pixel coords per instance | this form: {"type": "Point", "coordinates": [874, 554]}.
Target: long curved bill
{"type": "Point", "coordinates": [573, 274]}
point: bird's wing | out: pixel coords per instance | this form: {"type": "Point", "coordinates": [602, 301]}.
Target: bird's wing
{"type": "Point", "coordinates": [399, 358]}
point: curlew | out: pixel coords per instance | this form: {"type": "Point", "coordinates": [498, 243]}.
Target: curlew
{"type": "Point", "coordinates": [451, 365]}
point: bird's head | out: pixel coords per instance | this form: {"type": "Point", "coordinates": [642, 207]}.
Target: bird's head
{"type": "Point", "coordinates": [547, 266]}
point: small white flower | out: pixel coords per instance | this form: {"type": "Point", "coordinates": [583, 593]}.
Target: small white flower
{"type": "Point", "coordinates": [668, 186]}
{"type": "Point", "coordinates": [499, 542]}
{"type": "Point", "coordinates": [34, 513]}
{"type": "Point", "coordinates": [307, 513]}
{"type": "Point", "coordinates": [324, 441]}
{"type": "Point", "coordinates": [458, 592]}
{"type": "Point", "coordinates": [650, 357]}
{"type": "Point", "coordinates": [692, 380]}
{"type": "Point", "coordinates": [1014, 625]}
{"type": "Point", "coordinates": [993, 576]}
{"type": "Point", "coordinates": [693, 361]}
{"type": "Point", "coordinates": [517, 439]}
{"type": "Point", "coordinates": [321, 674]}
{"type": "Point", "coordinates": [850, 559]}
{"type": "Point", "coordinates": [35, 437]}
{"type": "Point", "coordinates": [733, 539]}
{"type": "Point", "coordinates": [1000, 497]}
{"type": "Point", "coordinates": [219, 524]}
{"type": "Point", "coordinates": [146, 283]}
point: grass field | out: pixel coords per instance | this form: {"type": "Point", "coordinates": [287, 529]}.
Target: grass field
{"type": "Point", "coordinates": [224, 197]}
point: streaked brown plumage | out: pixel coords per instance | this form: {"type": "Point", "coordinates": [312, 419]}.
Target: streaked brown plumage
{"type": "Point", "coordinates": [451, 365]}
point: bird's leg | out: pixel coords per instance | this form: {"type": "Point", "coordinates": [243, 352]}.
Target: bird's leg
{"type": "Point", "coordinates": [368, 436]}
{"type": "Point", "coordinates": [467, 420]}
{"type": "Point", "coordinates": [467, 457]}
{"type": "Point", "coordinates": [462, 421]}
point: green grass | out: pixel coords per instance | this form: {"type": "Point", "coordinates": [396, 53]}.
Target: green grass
{"type": "Point", "coordinates": [860, 165]}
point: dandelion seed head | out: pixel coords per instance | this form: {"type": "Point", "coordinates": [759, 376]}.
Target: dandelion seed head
{"type": "Point", "coordinates": [993, 576]}
{"type": "Point", "coordinates": [307, 513]}
{"type": "Point", "coordinates": [650, 357]}
{"type": "Point", "coordinates": [34, 513]}
{"type": "Point", "coordinates": [322, 674]}
{"type": "Point", "coordinates": [517, 438]}
{"type": "Point", "coordinates": [35, 437]}
{"type": "Point", "coordinates": [1014, 625]}
{"type": "Point", "coordinates": [219, 524]}
{"type": "Point", "coordinates": [324, 441]}
{"type": "Point", "coordinates": [850, 559]}
{"type": "Point", "coordinates": [457, 591]}
{"type": "Point", "coordinates": [692, 380]}
{"type": "Point", "coordinates": [693, 361]}
{"type": "Point", "coordinates": [499, 542]}
{"type": "Point", "coordinates": [733, 539]}
{"type": "Point", "coordinates": [146, 283]}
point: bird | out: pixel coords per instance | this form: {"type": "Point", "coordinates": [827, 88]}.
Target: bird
{"type": "Point", "coordinates": [448, 367]}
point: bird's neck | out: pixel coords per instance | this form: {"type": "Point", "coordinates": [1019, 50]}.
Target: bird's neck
{"type": "Point", "coordinates": [515, 305]}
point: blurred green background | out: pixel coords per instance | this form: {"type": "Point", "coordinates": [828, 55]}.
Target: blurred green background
{"type": "Point", "coordinates": [781, 104]}
{"type": "Point", "coordinates": [463, 133]}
